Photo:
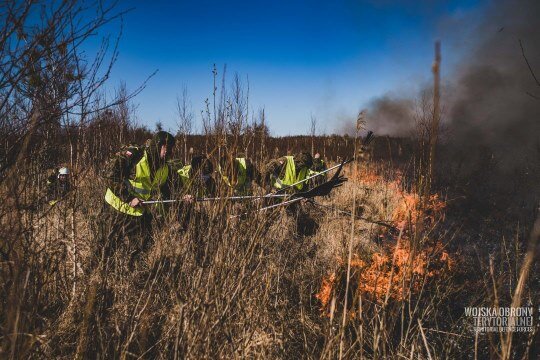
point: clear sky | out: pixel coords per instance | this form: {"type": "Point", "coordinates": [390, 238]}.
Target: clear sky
{"type": "Point", "coordinates": [326, 58]}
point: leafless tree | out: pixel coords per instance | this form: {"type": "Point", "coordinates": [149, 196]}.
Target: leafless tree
{"type": "Point", "coordinates": [263, 133]}
{"type": "Point", "coordinates": [123, 110]}
{"type": "Point", "coordinates": [48, 87]}
{"type": "Point", "coordinates": [313, 131]}
{"type": "Point", "coordinates": [239, 110]}
{"type": "Point", "coordinates": [46, 82]}
{"type": "Point", "coordinates": [184, 111]}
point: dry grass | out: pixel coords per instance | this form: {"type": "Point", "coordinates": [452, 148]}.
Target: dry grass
{"type": "Point", "coordinates": [280, 284]}
{"type": "Point", "coordinates": [388, 281]}
{"type": "Point", "coordinates": [268, 287]}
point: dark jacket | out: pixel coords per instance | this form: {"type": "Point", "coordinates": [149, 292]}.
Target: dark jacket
{"type": "Point", "coordinates": [121, 167]}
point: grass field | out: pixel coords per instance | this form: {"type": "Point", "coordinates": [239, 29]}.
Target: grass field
{"type": "Point", "coordinates": [430, 226]}
{"type": "Point", "coordinates": [276, 284]}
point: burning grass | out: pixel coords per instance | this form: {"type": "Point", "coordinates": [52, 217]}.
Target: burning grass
{"type": "Point", "coordinates": [397, 273]}
{"type": "Point", "coordinates": [396, 270]}
{"type": "Point", "coordinates": [257, 293]}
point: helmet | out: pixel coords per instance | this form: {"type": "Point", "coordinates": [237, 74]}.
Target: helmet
{"type": "Point", "coordinates": [163, 138]}
{"type": "Point", "coordinates": [317, 156]}
{"type": "Point", "coordinates": [63, 171]}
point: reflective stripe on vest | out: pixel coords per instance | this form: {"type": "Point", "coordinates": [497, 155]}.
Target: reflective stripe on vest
{"type": "Point", "coordinates": [141, 187]}
{"type": "Point", "coordinates": [290, 175]}
{"type": "Point", "coordinates": [121, 206]}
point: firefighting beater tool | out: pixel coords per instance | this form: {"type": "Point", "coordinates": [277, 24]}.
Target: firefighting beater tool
{"type": "Point", "coordinates": [321, 190]}
{"type": "Point", "coordinates": [230, 198]}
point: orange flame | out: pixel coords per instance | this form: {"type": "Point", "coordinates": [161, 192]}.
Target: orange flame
{"type": "Point", "coordinates": [397, 272]}
{"type": "Point", "coordinates": [375, 278]}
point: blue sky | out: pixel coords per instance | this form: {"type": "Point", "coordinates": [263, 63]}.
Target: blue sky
{"type": "Point", "coordinates": [326, 58]}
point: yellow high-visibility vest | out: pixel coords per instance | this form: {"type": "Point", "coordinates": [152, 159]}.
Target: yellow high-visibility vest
{"type": "Point", "coordinates": [142, 187]}
{"type": "Point", "coordinates": [188, 180]}
{"type": "Point", "coordinates": [291, 176]}
{"type": "Point", "coordinates": [184, 174]}
{"type": "Point", "coordinates": [241, 181]}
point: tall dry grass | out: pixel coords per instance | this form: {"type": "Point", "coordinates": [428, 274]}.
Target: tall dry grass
{"type": "Point", "coordinates": [270, 285]}
{"type": "Point", "coordinates": [389, 281]}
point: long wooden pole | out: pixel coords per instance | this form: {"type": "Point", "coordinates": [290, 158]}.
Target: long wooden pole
{"type": "Point", "coordinates": [436, 115]}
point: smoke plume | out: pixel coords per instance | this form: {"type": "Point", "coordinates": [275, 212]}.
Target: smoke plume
{"type": "Point", "coordinates": [492, 104]}
{"type": "Point", "coordinates": [391, 116]}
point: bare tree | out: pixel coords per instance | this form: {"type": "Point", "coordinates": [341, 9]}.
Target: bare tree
{"type": "Point", "coordinates": [263, 133]}
{"type": "Point", "coordinates": [206, 122]}
{"type": "Point", "coordinates": [238, 118]}
{"type": "Point", "coordinates": [48, 87]}
{"type": "Point", "coordinates": [313, 131]}
{"type": "Point", "coordinates": [123, 110]}
{"type": "Point", "coordinates": [184, 111]}
{"type": "Point", "coordinates": [222, 111]}
{"type": "Point", "coordinates": [46, 81]}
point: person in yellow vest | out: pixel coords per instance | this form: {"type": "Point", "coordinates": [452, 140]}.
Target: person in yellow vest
{"type": "Point", "coordinates": [237, 175]}
{"type": "Point", "coordinates": [136, 174]}
{"type": "Point", "coordinates": [196, 178]}
{"type": "Point", "coordinates": [195, 181]}
{"type": "Point", "coordinates": [288, 170]}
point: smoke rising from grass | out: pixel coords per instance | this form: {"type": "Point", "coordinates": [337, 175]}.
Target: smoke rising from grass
{"type": "Point", "coordinates": [391, 116]}
{"type": "Point", "coordinates": [493, 105]}
{"type": "Point", "coordinates": [388, 115]}
{"type": "Point", "coordinates": [492, 101]}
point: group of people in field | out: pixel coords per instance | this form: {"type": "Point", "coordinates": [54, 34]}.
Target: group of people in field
{"type": "Point", "coordinates": [138, 174]}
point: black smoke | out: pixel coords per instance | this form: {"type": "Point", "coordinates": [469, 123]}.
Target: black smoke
{"type": "Point", "coordinates": [495, 101]}
{"type": "Point", "coordinates": [391, 116]}
{"type": "Point", "coordinates": [491, 115]}
{"type": "Point", "coordinates": [494, 113]}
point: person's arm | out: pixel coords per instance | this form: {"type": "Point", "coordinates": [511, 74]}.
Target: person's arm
{"type": "Point", "coordinates": [51, 190]}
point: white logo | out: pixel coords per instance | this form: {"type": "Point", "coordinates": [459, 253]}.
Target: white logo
{"type": "Point", "coordinates": [501, 319]}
